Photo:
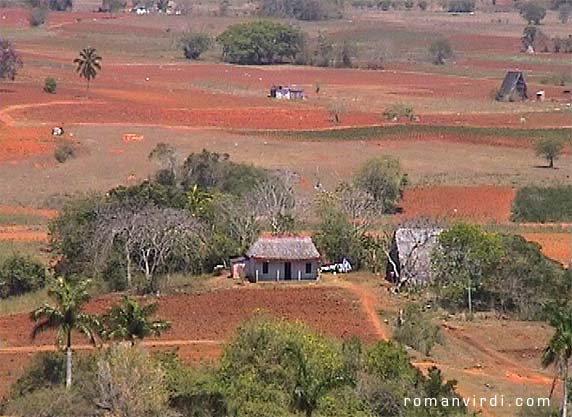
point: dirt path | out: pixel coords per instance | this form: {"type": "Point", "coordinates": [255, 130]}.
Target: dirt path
{"type": "Point", "coordinates": [370, 306]}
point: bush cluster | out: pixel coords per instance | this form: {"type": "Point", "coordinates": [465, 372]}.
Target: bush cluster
{"type": "Point", "coordinates": [21, 274]}
{"type": "Point", "coordinates": [543, 204]}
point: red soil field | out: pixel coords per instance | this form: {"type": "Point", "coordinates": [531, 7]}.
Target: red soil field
{"type": "Point", "coordinates": [557, 246]}
{"type": "Point", "coordinates": [23, 233]}
{"type": "Point", "coordinates": [212, 316]}
{"type": "Point", "coordinates": [479, 204]}
{"type": "Point", "coordinates": [47, 213]}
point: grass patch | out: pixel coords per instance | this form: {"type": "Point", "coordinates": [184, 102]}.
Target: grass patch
{"type": "Point", "coordinates": [23, 303]}
{"type": "Point", "coordinates": [377, 132]}
{"type": "Point", "coordinates": [24, 219]}
{"type": "Point", "coordinates": [31, 248]}
{"type": "Point", "coordinates": [543, 204]}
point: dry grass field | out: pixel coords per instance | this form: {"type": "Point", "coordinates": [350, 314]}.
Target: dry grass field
{"type": "Point", "coordinates": [465, 156]}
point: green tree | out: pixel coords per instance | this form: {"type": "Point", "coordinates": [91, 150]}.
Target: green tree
{"type": "Point", "coordinates": [549, 149]}
{"type": "Point", "coordinates": [310, 386]}
{"type": "Point", "coordinates": [10, 61]}
{"type": "Point", "coordinates": [88, 64]}
{"type": "Point", "coordinates": [440, 51]}
{"type": "Point", "coordinates": [532, 12]}
{"type": "Point", "coordinates": [558, 352]}
{"type": "Point", "coordinates": [129, 321]}
{"type": "Point", "coordinates": [21, 274]}
{"type": "Point", "coordinates": [464, 257]}
{"type": "Point", "coordinates": [66, 316]}
{"type": "Point", "coordinates": [261, 42]}
{"type": "Point", "coordinates": [384, 180]}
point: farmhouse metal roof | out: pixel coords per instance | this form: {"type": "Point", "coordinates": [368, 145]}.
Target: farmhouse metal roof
{"type": "Point", "coordinates": [284, 248]}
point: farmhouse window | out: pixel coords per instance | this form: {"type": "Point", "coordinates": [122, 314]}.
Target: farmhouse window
{"type": "Point", "coordinates": [308, 267]}
{"type": "Point", "coordinates": [265, 267]}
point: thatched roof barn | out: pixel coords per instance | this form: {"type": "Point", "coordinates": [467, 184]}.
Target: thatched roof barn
{"type": "Point", "coordinates": [284, 258]}
{"type": "Point", "coordinates": [410, 255]}
{"type": "Point", "coordinates": [513, 87]}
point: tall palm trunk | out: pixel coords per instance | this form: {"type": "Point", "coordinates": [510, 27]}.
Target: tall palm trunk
{"type": "Point", "coordinates": [565, 390]}
{"type": "Point", "coordinates": [68, 360]}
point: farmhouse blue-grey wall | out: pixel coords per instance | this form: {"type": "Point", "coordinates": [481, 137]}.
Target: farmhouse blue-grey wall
{"type": "Point", "coordinates": [276, 270]}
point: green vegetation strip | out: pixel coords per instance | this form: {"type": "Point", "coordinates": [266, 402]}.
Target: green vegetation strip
{"type": "Point", "coordinates": [376, 132]}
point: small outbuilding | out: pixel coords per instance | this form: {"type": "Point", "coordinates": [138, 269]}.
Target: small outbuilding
{"type": "Point", "coordinates": [286, 92]}
{"type": "Point", "coordinates": [284, 258]}
{"type": "Point", "coordinates": [409, 260]}
{"type": "Point", "coordinates": [513, 87]}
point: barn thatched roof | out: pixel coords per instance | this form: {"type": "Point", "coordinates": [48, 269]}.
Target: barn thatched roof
{"type": "Point", "coordinates": [512, 84]}
{"type": "Point", "coordinates": [412, 249]}
{"type": "Point", "coordinates": [283, 248]}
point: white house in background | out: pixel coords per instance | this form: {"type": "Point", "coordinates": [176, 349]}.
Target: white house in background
{"type": "Point", "coordinates": [284, 258]}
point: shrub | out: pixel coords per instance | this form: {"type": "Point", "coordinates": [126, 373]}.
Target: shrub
{"type": "Point", "coordinates": [21, 274]}
{"type": "Point", "coordinates": [195, 44]}
{"type": "Point", "coordinates": [63, 152]}
{"type": "Point", "coordinates": [261, 42]}
{"type": "Point", "coordinates": [10, 61]}
{"type": "Point", "coordinates": [533, 13]}
{"type": "Point", "coordinates": [549, 149]}
{"type": "Point", "coordinates": [60, 5]}
{"type": "Point", "coordinates": [440, 51]}
{"type": "Point", "coordinates": [399, 110]}
{"type": "Point", "coordinates": [50, 85]}
{"type": "Point", "coordinates": [38, 16]}
{"type": "Point", "coordinates": [46, 370]}
{"type": "Point", "coordinates": [414, 328]}
{"type": "Point", "coordinates": [564, 12]}
{"type": "Point", "coordinates": [538, 204]}
{"type": "Point", "coordinates": [309, 10]}
{"type": "Point", "coordinates": [422, 4]}
{"type": "Point", "coordinates": [384, 5]}
{"type": "Point", "coordinates": [383, 179]}
{"type": "Point", "coordinates": [461, 6]}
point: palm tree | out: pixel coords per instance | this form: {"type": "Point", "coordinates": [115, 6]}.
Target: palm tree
{"type": "Point", "coordinates": [66, 316]}
{"type": "Point", "coordinates": [309, 386]}
{"type": "Point", "coordinates": [130, 321]}
{"type": "Point", "coordinates": [558, 352]}
{"type": "Point", "coordinates": [88, 64]}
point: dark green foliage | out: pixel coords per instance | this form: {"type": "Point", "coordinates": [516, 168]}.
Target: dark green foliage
{"type": "Point", "coordinates": [461, 6]}
{"type": "Point", "coordinates": [302, 9]}
{"type": "Point", "coordinates": [383, 179]}
{"type": "Point", "coordinates": [440, 51]}
{"type": "Point", "coordinates": [38, 16]}
{"type": "Point", "coordinates": [415, 329]}
{"type": "Point", "coordinates": [10, 61]}
{"type": "Point", "coordinates": [261, 42]}
{"type": "Point", "coordinates": [63, 152]}
{"type": "Point", "coordinates": [60, 5]}
{"type": "Point", "coordinates": [211, 171]}
{"type": "Point", "coordinates": [46, 370]}
{"type": "Point", "coordinates": [195, 44]}
{"type": "Point", "coordinates": [337, 238]}
{"type": "Point", "coordinates": [50, 85]}
{"type": "Point", "coordinates": [505, 272]}
{"type": "Point", "coordinates": [532, 12]}
{"type": "Point", "coordinates": [149, 192]}
{"type": "Point", "coordinates": [70, 236]}
{"type": "Point", "coordinates": [549, 149]}
{"type": "Point", "coordinates": [49, 402]}
{"type": "Point", "coordinates": [21, 274]}
{"type": "Point", "coordinates": [543, 204]}
{"type": "Point", "coordinates": [88, 64]}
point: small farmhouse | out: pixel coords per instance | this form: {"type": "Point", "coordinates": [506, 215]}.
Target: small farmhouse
{"type": "Point", "coordinates": [513, 87]}
{"type": "Point", "coordinates": [410, 255]}
{"type": "Point", "coordinates": [287, 258]}
{"type": "Point", "coordinates": [286, 92]}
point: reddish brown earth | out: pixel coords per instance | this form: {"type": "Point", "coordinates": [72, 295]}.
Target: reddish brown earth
{"type": "Point", "coordinates": [211, 317]}
{"type": "Point", "coordinates": [479, 203]}
{"type": "Point", "coordinates": [557, 246]}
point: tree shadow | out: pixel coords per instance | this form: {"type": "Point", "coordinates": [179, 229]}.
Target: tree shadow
{"type": "Point", "coordinates": [545, 167]}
